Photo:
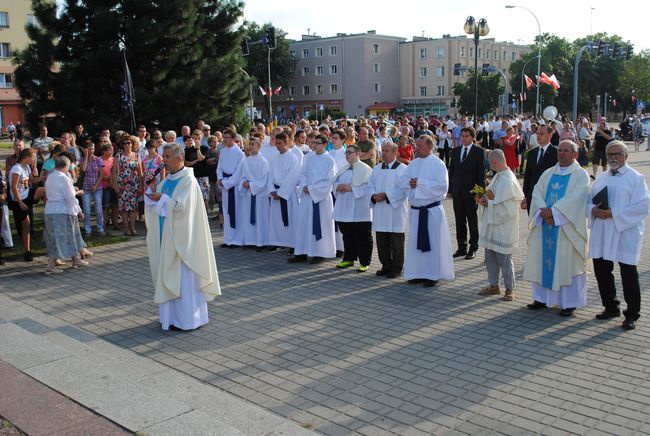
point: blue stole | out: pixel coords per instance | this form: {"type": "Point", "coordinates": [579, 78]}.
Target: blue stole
{"type": "Point", "coordinates": [167, 188]}
{"type": "Point", "coordinates": [554, 191]}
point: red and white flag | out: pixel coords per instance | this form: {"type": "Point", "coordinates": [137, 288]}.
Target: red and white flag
{"type": "Point", "coordinates": [529, 82]}
{"type": "Point", "coordinates": [262, 90]}
{"type": "Point", "coordinates": [277, 90]}
{"type": "Point", "coordinates": [554, 82]}
{"type": "Point", "coordinates": [544, 79]}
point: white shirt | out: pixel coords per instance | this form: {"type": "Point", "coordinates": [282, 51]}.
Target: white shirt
{"type": "Point", "coordinates": [23, 180]}
{"type": "Point", "coordinates": [339, 157]}
{"type": "Point", "coordinates": [60, 195]}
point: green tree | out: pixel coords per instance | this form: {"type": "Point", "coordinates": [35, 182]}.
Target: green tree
{"type": "Point", "coordinates": [184, 65]}
{"type": "Point", "coordinates": [283, 64]}
{"type": "Point", "coordinates": [489, 90]}
{"type": "Point", "coordinates": [635, 79]}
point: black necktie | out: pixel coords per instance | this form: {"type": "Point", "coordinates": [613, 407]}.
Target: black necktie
{"type": "Point", "coordinates": [540, 156]}
{"type": "Point", "coordinates": [462, 159]}
{"type": "Point", "coordinates": [384, 166]}
{"type": "Point", "coordinates": [613, 172]}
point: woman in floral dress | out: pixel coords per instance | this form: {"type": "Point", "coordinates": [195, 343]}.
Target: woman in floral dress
{"type": "Point", "coordinates": [127, 183]}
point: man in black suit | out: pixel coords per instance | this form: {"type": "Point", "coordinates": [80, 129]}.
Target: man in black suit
{"type": "Point", "coordinates": [467, 168]}
{"type": "Point", "coordinates": [539, 160]}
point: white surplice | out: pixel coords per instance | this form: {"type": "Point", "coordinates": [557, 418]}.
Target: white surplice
{"type": "Point", "coordinates": [339, 158]}
{"type": "Point", "coordinates": [316, 174]}
{"type": "Point", "coordinates": [269, 152]}
{"type": "Point", "coordinates": [388, 216]}
{"type": "Point", "coordinates": [229, 160]}
{"type": "Point", "coordinates": [284, 172]}
{"type": "Point", "coordinates": [351, 206]}
{"type": "Point", "coordinates": [432, 186]}
{"type": "Point", "coordinates": [619, 238]}
{"type": "Point", "coordinates": [255, 170]}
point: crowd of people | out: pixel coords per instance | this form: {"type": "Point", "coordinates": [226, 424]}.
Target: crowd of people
{"type": "Point", "coordinates": [320, 191]}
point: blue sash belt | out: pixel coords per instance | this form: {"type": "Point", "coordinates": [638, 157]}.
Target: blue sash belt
{"type": "Point", "coordinates": [423, 226]}
{"type": "Point", "coordinates": [231, 204]}
{"type": "Point", "coordinates": [316, 229]}
{"type": "Point", "coordinates": [253, 208]}
{"type": "Point", "coordinates": [284, 209]}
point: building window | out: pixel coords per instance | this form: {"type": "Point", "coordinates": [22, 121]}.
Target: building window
{"type": "Point", "coordinates": [292, 90]}
{"type": "Point", "coordinates": [496, 55]}
{"type": "Point", "coordinates": [480, 53]}
{"type": "Point", "coordinates": [6, 81]}
{"type": "Point", "coordinates": [333, 50]}
{"type": "Point", "coordinates": [440, 71]}
{"type": "Point", "coordinates": [334, 69]}
{"type": "Point", "coordinates": [31, 19]}
{"type": "Point", "coordinates": [5, 50]}
{"type": "Point", "coordinates": [423, 53]}
{"type": "Point", "coordinates": [319, 52]}
{"type": "Point", "coordinates": [4, 19]}
{"type": "Point", "coordinates": [292, 53]}
{"type": "Point", "coordinates": [305, 71]}
{"type": "Point", "coordinates": [441, 90]}
{"type": "Point", "coordinates": [471, 52]}
{"type": "Point", "coordinates": [305, 90]}
{"type": "Point", "coordinates": [423, 72]}
{"type": "Point", "coordinates": [334, 88]}
{"type": "Point", "coordinates": [462, 52]}
{"type": "Point", "coordinates": [487, 53]}
{"type": "Point", "coordinates": [305, 53]}
{"type": "Point", "coordinates": [423, 91]}
{"type": "Point", "coordinates": [505, 55]}
{"type": "Point", "coordinates": [377, 87]}
{"type": "Point", "coordinates": [375, 68]}
{"type": "Point", "coordinates": [319, 90]}
{"type": "Point", "coordinates": [375, 49]}
{"type": "Point", "coordinates": [440, 52]}
{"type": "Point", "coordinates": [319, 70]}
{"type": "Point", "coordinates": [513, 56]}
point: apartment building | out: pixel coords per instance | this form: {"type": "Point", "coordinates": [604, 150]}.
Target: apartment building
{"type": "Point", "coordinates": [348, 72]}
{"type": "Point", "coordinates": [14, 16]}
{"type": "Point", "coordinates": [427, 69]}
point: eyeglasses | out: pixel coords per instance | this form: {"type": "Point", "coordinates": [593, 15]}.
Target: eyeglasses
{"type": "Point", "coordinates": [350, 151]}
{"type": "Point", "coordinates": [614, 154]}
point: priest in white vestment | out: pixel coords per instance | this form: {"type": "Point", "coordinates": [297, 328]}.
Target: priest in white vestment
{"type": "Point", "coordinates": [338, 153]}
{"type": "Point", "coordinates": [229, 159]}
{"type": "Point", "coordinates": [428, 254]}
{"type": "Point", "coordinates": [284, 174]}
{"type": "Point", "coordinates": [183, 267]}
{"type": "Point", "coordinates": [315, 226]}
{"type": "Point", "coordinates": [352, 210]}
{"type": "Point", "coordinates": [253, 175]}
{"type": "Point", "coordinates": [557, 243]}
{"type": "Point", "coordinates": [617, 233]}
{"type": "Point", "coordinates": [388, 200]}
{"type": "Point", "coordinates": [498, 216]}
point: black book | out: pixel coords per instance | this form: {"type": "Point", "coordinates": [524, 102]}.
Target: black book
{"type": "Point", "coordinates": [601, 198]}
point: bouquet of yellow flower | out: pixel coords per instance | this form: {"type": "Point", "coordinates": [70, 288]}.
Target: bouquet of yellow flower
{"type": "Point", "coordinates": [478, 191]}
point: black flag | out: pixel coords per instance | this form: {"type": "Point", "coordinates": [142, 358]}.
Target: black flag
{"type": "Point", "coordinates": [128, 95]}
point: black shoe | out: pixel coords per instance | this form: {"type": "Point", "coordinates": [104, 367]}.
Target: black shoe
{"type": "Point", "coordinates": [608, 314]}
{"type": "Point", "coordinates": [415, 281]}
{"type": "Point", "coordinates": [391, 275]}
{"type": "Point", "coordinates": [429, 283]}
{"type": "Point", "coordinates": [272, 248]}
{"type": "Point", "coordinates": [535, 305]}
{"type": "Point", "coordinates": [460, 252]}
{"type": "Point", "coordinates": [568, 311]}
{"type": "Point", "coordinates": [28, 256]}
{"type": "Point", "coordinates": [339, 253]}
{"type": "Point", "coordinates": [381, 273]}
{"type": "Point", "coordinates": [316, 259]}
{"type": "Point", "coordinates": [471, 254]}
{"type": "Point", "coordinates": [629, 324]}
{"type": "Point", "coordinates": [175, 329]}
{"type": "Point", "coordinates": [260, 249]}
{"type": "Point", "coordinates": [290, 252]}
{"type": "Point", "coordinates": [225, 246]}
{"type": "Point", "coordinates": [298, 258]}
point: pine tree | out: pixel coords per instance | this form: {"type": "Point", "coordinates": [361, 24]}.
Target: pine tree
{"type": "Point", "coordinates": [184, 57]}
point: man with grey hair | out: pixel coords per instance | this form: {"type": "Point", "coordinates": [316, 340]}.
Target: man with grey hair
{"type": "Point", "coordinates": [617, 232]}
{"type": "Point", "coordinates": [557, 243]}
{"type": "Point", "coordinates": [185, 131]}
{"type": "Point", "coordinates": [499, 226]}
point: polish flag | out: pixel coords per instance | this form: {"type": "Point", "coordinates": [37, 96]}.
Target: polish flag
{"type": "Point", "coordinates": [529, 82]}
{"type": "Point", "coordinates": [554, 82]}
{"type": "Point", "coordinates": [277, 90]}
{"type": "Point", "coordinates": [545, 79]}
{"type": "Point", "coordinates": [263, 91]}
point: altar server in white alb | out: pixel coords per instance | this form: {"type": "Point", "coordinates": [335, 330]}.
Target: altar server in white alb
{"type": "Point", "coordinates": [557, 243]}
{"type": "Point", "coordinates": [617, 233]}
{"type": "Point", "coordinates": [338, 153]}
{"type": "Point", "coordinates": [268, 148]}
{"type": "Point", "coordinates": [428, 255]}
{"type": "Point", "coordinates": [253, 175]}
{"type": "Point", "coordinates": [498, 224]}
{"type": "Point", "coordinates": [352, 210]}
{"type": "Point", "coordinates": [284, 174]}
{"type": "Point", "coordinates": [388, 200]}
{"type": "Point", "coordinates": [229, 159]}
{"type": "Point", "coordinates": [315, 227]}
{"type": "Point", "coordinates": [181, 256]}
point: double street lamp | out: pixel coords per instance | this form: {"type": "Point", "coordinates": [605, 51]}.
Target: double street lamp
{"type": "Point", "coordinates": [477, 29]}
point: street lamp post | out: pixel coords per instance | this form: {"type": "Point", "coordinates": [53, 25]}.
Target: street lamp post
{"type": "Point", "coordinates": [522, 83]}
{"type": "Point", "coordinates": [539, 51]}
{"type": "Point", "coordinates": [477, 29]}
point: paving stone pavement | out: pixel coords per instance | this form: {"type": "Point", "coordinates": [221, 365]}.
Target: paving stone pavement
{"type": "Point", "coordinates": [349, 353]}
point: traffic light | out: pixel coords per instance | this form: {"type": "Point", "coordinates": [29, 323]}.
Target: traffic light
{"type": "Point", "coordinates": [457, 69]}
{"type": "Point", "coordinates": [591, 47]}
{"type": "Point", "coordinates": [270, 37]}
{"type": "Point", "coordinates": [628, 53]}
{"type": "Point", "coordinates": [244, 46]}
{"type": "Point", "coordinates": [485, 69]}
{"type": "Point", "coordinates": [614, 52]}
{"type": "Point", "coordinates": [602, 48]}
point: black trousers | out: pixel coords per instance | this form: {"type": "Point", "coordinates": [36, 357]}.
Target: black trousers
{"type": "Point", "coordinates": [390, 248]}
{"type": "Point", "coordinates": [357, 241]}
{"type": "Point", "coordinates": [465, 212]}
{"type": "Point", "coordinates": [631, 289]}
{"type": "Point", "coordinates": [445, 154]}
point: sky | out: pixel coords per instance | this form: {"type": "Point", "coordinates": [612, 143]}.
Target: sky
{"type": "Point", "coordinates": [569, 19]}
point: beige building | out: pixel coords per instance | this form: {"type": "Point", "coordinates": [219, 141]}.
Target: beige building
{"type": "Point", "coordinates": [427, 69]}
{"type": "Point", "coordinates": [14, 16]}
